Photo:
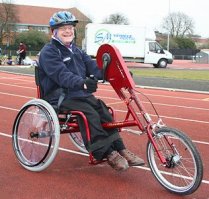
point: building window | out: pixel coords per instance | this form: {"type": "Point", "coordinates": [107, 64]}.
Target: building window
{"type": "Point", "coordinates": [23, 28]}
{"type": "Point", "coordinates": [41, 28]}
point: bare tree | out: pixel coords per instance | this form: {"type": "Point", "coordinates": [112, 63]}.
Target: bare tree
{"type": "Point", "coordinates": [178, 24]}
{"type": "Point", "coordinates": [7, 20]}
{"type": "Point", "coordinates": [116, 18]}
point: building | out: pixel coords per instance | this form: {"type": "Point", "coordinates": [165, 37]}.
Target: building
{"type": "Point", "coordinates": [37, 18]}
{"type": "Point", "coordinates": [200, 42]}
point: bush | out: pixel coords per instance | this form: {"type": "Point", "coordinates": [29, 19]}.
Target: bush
{"type": "Point", "coordinates": [184, 43]}
{"type": "Point", "coordinates": [33, 39]}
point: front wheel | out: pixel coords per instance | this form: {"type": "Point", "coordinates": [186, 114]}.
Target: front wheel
{"type": "Point", "coordinates": [182, 174]}
{"type": "Point", "coordinates": [162, 63]}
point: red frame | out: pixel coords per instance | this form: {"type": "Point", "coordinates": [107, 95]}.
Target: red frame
{"type": "Point", "coordinates": [117, 74]}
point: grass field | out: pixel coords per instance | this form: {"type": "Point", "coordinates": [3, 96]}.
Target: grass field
{"type": "Point", "coordinates": [176, 74]}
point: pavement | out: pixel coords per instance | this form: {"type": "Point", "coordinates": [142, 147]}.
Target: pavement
{"type": "Point", "coordinates": [155, 82]}
{"type": "Point", "coordinates": [28, 70]}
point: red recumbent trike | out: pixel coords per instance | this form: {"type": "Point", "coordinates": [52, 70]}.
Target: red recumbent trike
{"type": "Point", "coordinates": [171, 155]}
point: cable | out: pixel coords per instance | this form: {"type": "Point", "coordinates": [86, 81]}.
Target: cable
{"type": "Point", "coordinates": [149, 101]}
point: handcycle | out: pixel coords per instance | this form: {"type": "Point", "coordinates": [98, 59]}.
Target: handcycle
{"type": "Point", "coordinates": [172, 157]}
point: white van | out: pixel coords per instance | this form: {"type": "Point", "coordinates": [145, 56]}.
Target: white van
{"type": "Point", "coordinates": [134, 43]}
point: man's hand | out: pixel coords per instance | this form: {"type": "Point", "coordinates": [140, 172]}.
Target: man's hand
{"type": "Point", "coordinates": [90, 84]}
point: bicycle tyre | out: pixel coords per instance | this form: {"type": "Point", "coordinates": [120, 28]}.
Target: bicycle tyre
{"type": "Point", "coordinates": [36, 135]}
{"type": "Point", "coordinates": [183, 171]}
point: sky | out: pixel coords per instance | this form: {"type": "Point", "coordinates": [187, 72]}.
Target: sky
{"type": "Point", "coordinates": [149, 13]}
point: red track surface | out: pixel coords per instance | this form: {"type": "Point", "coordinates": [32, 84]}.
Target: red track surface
{"type": "Point", "coordinates": [70, 175]}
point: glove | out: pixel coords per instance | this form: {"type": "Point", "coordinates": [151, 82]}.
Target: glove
{"type": "Point", "coordinates": [90, 84]}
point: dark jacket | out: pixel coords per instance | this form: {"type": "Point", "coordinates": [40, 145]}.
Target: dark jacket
{"type": "Point", "coordinates": [62, 68]}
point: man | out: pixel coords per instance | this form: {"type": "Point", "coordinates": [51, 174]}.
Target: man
{"type": "Point", "coordinates": [21, 52]}
{"type": "Point", "coordinates": [64, 68]}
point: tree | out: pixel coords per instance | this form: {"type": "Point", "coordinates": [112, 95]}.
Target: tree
{"type": "Point", "coordinates": [178, 24]}
{"type": "Point", "coordinates": [179, 43]}
{"type": "Point", "coordinates": [172, 43]}
{"type": "Point", "coordinates": [116, 18]}
{"type": "Point", "coordinates": [205, 46]}
{"type": "Point", "coordinates": [34, 39]}
{"type": "Point", "coordinates": [185, 43]}
{"type": "Point", "coordinates": [8, 19]}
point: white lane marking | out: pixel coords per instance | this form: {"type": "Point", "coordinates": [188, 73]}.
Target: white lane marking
{"type": "Point", "coordinates": [121, 102]}
{"type": "Point", "coordinates": [167, 117]}
{"type": "Point", "coordinates": [138, 167]}
{"type": "Point", "coordinates": [10, 94]}
{"type": "Point", "coordinates": [12, 85]}
{"type": "Point", "coordinates": [17, 78]}
{"type": "Point", "coordinates": [111, 90]}
{"type": "Point", "coordinates": [161, 104]}
{"type": "Point", "coordinates": [20, 74]}
{"type": "Point", "coordinates": [8, 108]}
{"type": "Point", "coordinates": [166, 96]}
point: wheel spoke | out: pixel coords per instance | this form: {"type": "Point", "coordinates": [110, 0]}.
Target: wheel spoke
{"type": "Point", "coordinates": [183, 170]}
{"type": "Point", "coordinates": [36, 135]}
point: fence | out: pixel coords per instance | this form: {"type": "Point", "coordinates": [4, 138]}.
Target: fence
{"type": "Point", "coordinates": [14, 53]}
{"type": "Point", "coordinates": [184, 54]}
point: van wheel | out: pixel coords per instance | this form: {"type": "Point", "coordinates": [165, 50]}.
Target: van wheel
{"type": "Point", "coordinates": [162, 63]}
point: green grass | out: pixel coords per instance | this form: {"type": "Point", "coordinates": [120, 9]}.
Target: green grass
{"type": "Point", "coordinates": [175, 74]}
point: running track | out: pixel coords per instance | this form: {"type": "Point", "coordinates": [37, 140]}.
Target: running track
{"type": "Point", "coordinates": [70, 176]}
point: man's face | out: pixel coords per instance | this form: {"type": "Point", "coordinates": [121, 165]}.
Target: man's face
{"type": "Point", "coordinates": [66, 34]}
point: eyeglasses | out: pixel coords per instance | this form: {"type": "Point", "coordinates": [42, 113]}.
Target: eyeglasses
{"type": "Point", "coordinates": [64, 28]}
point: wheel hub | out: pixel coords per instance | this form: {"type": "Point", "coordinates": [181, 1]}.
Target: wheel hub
{"type": "Point", "coordinates": [172, 161]}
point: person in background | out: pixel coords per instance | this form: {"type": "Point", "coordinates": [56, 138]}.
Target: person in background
{"type": "Point", "coordinates": [21, 52]}
{"type": "Point", "coordinates": [65, 68]}
{"type": "Point", "coordinates": [9, 60]}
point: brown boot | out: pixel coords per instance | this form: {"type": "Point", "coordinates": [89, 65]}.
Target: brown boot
{"type": "Point", "coordinates": [132, 159]}
{"type": "Point", "coordinates": [117, 162]}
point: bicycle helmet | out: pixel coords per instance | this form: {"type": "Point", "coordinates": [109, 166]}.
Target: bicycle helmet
{"type": "Point", "coordinates": [62, 18]}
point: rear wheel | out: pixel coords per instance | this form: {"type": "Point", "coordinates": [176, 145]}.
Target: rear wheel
{"type": "Point", "coordinates": [183, 171]}
{"type": "Point", "coordinates": [77, 140]}
{"type": "Point", "coordinates": [36, 135]}
{"type": "Point", "coordinates": [75, 136]}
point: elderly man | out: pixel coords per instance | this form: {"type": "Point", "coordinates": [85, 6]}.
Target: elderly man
{"type": "Point", "coordinates": [64, 68]}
